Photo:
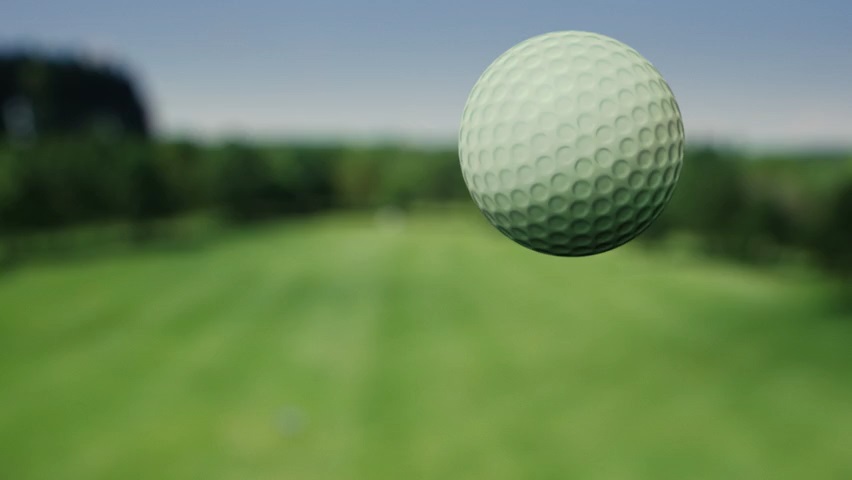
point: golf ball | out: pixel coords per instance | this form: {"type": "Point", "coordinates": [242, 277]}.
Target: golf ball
{"type": "Point", "coordinates": [571, 143]}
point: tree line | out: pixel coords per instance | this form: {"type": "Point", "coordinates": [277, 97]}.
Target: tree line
{"type": "Point", "coordinates": [762, 209]}
{"type": "Point", "coordinates": [70, 181]}
{"type": "Point", "coordinates": [751, 209]}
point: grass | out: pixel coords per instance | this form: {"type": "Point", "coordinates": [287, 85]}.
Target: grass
{"type": "Point", "coordinates": [336, 348]}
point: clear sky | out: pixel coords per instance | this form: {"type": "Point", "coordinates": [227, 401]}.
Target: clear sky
{"type": "Point", "coordinates": [755, 71]}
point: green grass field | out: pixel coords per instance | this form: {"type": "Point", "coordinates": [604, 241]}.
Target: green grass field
{"type": "Point", "coordinates": [331, 348]}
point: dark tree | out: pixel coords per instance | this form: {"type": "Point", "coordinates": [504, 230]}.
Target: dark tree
{"type": "Point", "coordinates": [49, 95]}
{"type": "Point", "coordinates": [833, 244]}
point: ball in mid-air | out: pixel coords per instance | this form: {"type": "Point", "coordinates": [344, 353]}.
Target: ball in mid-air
{"type": "Point", "coordinates": [571, 143]}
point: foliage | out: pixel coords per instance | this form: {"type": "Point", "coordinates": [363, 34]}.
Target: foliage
{"type": "Point", "coordinates": [47, 95]}
{"type": "Point", "coordinates": [761, 209]}
{"type": "Point", "coordinates": [754, 209]}
{"type": "Point", "coordinates": [833, 241]}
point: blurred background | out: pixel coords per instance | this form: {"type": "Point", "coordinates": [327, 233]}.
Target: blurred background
{"type": "Point", "coordinates": [235, 243]}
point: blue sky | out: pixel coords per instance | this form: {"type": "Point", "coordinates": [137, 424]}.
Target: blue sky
{"type": "Point", "coordinates": [743, 71]}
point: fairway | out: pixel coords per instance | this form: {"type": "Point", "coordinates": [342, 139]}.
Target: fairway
{"type": "Point", "coordinates": [337, 347]}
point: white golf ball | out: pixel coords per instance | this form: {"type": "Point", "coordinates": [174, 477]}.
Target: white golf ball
{"type": "Point", "coordinates": [571, 143]}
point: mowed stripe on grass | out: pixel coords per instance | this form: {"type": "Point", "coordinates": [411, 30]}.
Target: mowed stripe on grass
{"type": "Point", "coordinates": [341, 348]}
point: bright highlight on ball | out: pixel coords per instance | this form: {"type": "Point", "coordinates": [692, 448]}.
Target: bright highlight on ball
{"type": "Point", "coordinates": [571, 143]}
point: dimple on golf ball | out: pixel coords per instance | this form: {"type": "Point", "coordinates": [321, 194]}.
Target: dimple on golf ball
{"type": "Point", "coordinates": [571, 143]}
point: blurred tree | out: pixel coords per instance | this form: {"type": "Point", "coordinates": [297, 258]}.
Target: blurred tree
{"type": "Point", "coordinates": [189, 173]}
{"type": "Point", "coordinates": [47, 95]}
{"type": "Point", "coordinates": [833, 243]}
{"type": "Point", "coordinates": [709, 201]}
{"type": "Point", "coordinates": [356, 180]}
{"type": "Point", "coordinates": [314, 189]}
{"type": "Point", "coordinates": [245, 184]}
{"type": "Point", "coordinates": [151, 196]}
